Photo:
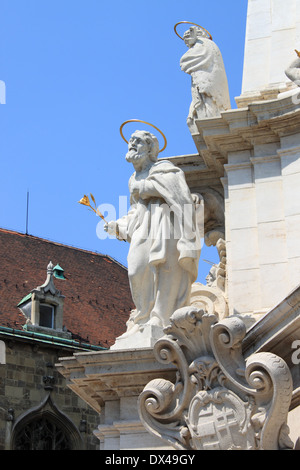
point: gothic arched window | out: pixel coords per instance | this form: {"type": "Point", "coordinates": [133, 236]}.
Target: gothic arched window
{"type": "Point", "coordinates": [42, 433]}
{"type": "Point", "coordinates": [45, 428]}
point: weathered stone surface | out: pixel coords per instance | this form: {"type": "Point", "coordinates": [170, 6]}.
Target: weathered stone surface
{"type": "Point", "coordinates": [220, 401]}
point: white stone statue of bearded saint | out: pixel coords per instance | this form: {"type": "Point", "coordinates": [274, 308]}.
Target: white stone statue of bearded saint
{"type": "Point", "coordinates": [203, 61]}
{"type": "Point", "coordinates": [162, 230]}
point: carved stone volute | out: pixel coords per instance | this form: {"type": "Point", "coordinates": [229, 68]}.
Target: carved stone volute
{"type": "Point", "coordinates": [219, 400]}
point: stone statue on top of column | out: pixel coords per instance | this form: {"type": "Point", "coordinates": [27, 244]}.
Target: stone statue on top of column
{"type": "Point", "coordinates": [162, 230]}
{"type": "Point", "coordinates": [204, 62]}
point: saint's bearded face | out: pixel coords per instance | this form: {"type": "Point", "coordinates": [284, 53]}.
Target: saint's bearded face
{"type": "Point", "coordinates": [190, 37]}
{"type": "Point", "coordinates": [137, 148]}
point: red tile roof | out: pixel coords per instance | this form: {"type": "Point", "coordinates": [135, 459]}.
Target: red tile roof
{"type": "Point", "coordinates": [97, 294]}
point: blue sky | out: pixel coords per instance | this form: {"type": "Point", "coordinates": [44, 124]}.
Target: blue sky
{"type": "Point", "coordinates": [74, 71]}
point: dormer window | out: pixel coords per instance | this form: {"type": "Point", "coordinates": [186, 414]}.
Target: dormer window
{"type": "Point", "coordinates": [43, 307]}
{"type": "Point", "coordinates": [47, 315]}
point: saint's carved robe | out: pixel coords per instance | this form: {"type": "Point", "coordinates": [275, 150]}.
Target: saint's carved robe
{"type": "Point", "coordinates": [164, 244]}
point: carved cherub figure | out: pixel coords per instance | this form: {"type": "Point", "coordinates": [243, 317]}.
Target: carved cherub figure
{"type": "Point", "coordinates": [293, 70]}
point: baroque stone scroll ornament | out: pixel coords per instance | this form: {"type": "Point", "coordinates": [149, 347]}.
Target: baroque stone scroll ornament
{"type": "Point", "coordinates": [219, 400]}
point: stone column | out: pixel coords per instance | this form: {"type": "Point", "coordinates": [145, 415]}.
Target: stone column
{"type": "Point", "coordinates": [35, 310]}
{"type": "Point", "coordinates": [289, 155]}
{"type": "Point", "coordinates": [272, 34]}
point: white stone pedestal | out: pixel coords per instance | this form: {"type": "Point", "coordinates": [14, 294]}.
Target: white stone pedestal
{"type": "Point", "coordinates": [111, 382]}
{"type": "Point", "coordinates": [139, 337]}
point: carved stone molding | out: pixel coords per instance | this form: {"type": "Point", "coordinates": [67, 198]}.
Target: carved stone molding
{"type": "Point", "coordinates": [212, 297]}
{"type": "Point", "coordinates": [219, 400]}
{"type": "Point", "coordinates": [267, 119]}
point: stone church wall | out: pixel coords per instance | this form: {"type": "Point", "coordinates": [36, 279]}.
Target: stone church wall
{"type": "Point", "coordinates": [26, 380]}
